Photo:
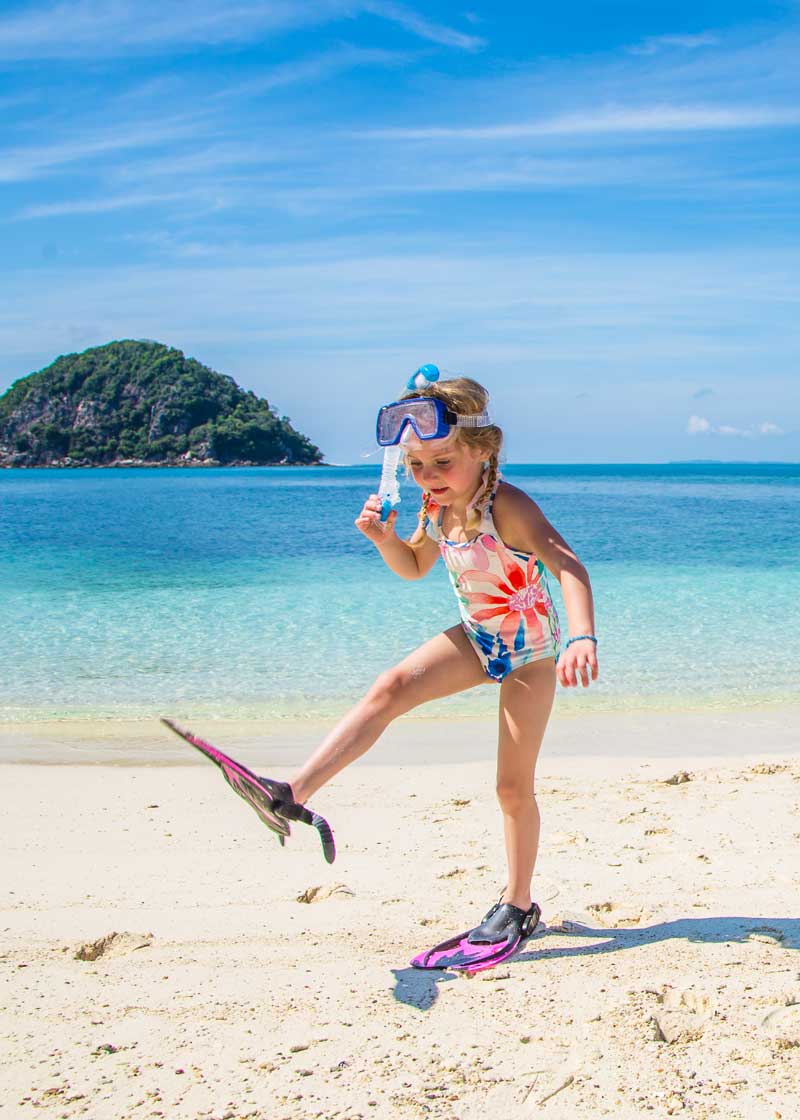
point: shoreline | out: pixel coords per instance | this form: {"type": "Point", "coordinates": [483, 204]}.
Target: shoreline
{"type": "Point", "coordinates": [155, 464]}
{"type": "Point", "coordinates": [688, 735]}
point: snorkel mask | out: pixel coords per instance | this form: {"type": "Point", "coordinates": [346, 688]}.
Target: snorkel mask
{"type": "Point", "coordinates": [426, 417]}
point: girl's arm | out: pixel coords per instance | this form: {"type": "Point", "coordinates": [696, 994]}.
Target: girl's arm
{"type": "Point", "coordinates": [410, 559]}
{"type": "Point", "coordinates": [522, 525]}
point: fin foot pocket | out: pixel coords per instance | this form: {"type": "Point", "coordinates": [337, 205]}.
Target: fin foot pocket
{"type": "Point", "coordinates": [506, 925]}
{"type": "Point", "coordinates": [285, 805]}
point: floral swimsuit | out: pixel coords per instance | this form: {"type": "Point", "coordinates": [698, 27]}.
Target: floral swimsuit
{"type": "Point", "coordinates": [503, 596]}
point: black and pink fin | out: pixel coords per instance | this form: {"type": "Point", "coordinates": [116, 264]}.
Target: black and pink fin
{"type": "Point", "coordinates": [272, 801]}
{"type": "Point", "coordinates": [463, 954]}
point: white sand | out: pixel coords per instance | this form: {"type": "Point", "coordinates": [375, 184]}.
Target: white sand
{"type": "Point", "coordinates": [248, 1003]}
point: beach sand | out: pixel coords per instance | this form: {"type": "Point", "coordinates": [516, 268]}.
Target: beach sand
{"type": "Point", "coordinates": [665, 980]}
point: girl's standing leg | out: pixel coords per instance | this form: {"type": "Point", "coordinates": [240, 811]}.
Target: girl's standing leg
{"type": "Point", "coordinates": [444, 665]}
{"type": "Point", "coordinates": [526, 698]}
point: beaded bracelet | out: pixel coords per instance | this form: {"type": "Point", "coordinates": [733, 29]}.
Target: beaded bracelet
{"type": "Point", "coordinates": [581, 638]}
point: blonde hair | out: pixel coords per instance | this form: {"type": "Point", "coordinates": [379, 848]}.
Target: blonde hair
{"type": "Point", "coordinates": [468, 398]}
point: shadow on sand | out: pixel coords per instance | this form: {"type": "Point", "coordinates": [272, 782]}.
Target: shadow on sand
{"type": "Point", "coordinates": [419, 988]}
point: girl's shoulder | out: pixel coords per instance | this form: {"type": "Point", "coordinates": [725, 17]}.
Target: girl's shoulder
{"type": "Point", "coordinates": [516, 516]}
{"type": "Point", "coordinates": [512, 502]}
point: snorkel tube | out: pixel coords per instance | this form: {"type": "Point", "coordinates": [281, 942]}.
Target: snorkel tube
{"type": "Point", "coordinates": [389, 489]}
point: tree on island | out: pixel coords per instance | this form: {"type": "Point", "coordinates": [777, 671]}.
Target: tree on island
{"type": "Point", "coordinates": [141, 402]}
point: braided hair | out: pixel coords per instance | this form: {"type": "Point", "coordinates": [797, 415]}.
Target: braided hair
{"type": "Point", "coordinates": [423, 509]}
{"type": "Point", "coordinates": [484, 495]}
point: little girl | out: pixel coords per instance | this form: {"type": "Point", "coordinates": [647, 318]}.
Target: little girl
{"type": "Point", "coordinates": [496, 544]}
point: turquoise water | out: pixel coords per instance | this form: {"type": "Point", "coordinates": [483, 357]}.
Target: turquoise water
{"type": "Point", "coordinates": [248, 592]}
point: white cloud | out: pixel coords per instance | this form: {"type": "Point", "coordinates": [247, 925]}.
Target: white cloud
{"type": "Point", "coordinates": [614, 119]}
{"type": "Point", "coordinates": [74, 28]}
{"type": "Point", "coordinates": [699, 425]}
{"type": "Point", "coordinates": [98, 205]}
{"type": "Point", "coordinates": [22, 163]}
{"type": "Point", "coordinates": [110, 28]}
{"type": "Point", "coordinates": [204, 164]}
{"type": "Point", "coordinates": [315, 68]}
{"type": "Point", "coordinates": [657, 43]}
{"type": "Point", "coordinates": [728, 430]}
{"type": "Point", "coordinates": [424, 28]}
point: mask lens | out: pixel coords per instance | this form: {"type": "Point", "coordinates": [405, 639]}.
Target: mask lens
{"type": "Point", "coordinates": [422, 415]}
{"type": "Point", "coordinates": [425, 419]}
{"type": "Point", "coordinates": [390, 422]}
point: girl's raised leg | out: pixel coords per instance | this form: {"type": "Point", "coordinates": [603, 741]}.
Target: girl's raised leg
{"type": "Point", "coordinates": [526, 699]}
{"type": "Point", "coordinates": [444, 665]}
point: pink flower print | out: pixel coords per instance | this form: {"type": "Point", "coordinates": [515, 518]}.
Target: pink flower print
{"type": "Point", "coordinates": [480, 552]}
{"type": "Point", "coordinates": [517, 598]}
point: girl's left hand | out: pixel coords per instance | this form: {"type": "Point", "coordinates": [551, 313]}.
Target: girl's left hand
{"type": "Point", "coordinates": [579, 660]}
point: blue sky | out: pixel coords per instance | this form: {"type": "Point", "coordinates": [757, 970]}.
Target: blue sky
{"type": "Point", "coordinates": [593, 210]}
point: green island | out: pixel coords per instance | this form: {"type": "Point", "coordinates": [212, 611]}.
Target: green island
{"type": "Point", "coordinates": [141, 403]}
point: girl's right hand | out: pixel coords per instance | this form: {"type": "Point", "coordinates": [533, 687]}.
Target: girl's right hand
{"type": "Point", "coordinates": [369, 521]}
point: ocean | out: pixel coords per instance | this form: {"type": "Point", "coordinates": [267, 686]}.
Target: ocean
{"type": "Point", "coordinates": [248, 593]}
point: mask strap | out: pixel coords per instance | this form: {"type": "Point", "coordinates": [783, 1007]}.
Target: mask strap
{"type": "Point", "coordinates": [474, 420]}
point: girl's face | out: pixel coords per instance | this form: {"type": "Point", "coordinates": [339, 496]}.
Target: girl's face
{"type": "Point", "coordinates": [449, 469]}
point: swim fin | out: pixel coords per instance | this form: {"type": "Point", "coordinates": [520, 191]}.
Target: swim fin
{"type": "Point", "coordinates": [273, 801]}
{"type": "Point", "coordinates": [496, 939]}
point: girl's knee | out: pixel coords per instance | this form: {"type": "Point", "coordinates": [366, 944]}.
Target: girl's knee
{"type": "Point", "coordinates": [389, 692]}
{"type": "Point", "coordinates": [515, 798]}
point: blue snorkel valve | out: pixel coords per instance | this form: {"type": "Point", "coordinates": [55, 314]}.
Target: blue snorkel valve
{"type": "Point", "coordinates": [389, 489]}
{"type": "Point", "coordinates": [386, 508]}
{"type": "Point", "coordinates": [425, 376]}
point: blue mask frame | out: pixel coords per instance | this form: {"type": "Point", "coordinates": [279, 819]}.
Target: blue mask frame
{"type": "Point", "coordinates": [428, 417]}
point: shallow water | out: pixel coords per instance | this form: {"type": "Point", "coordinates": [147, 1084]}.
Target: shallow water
{"type": "Point", "coordinates": [248, 593]}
